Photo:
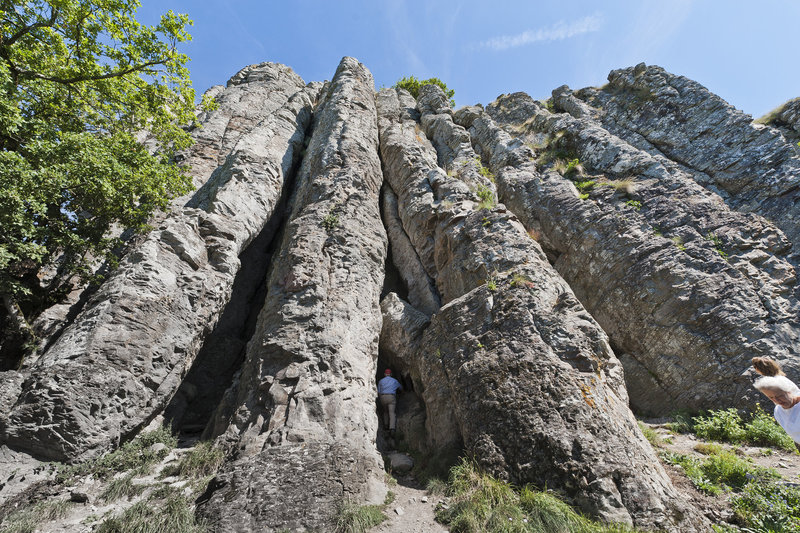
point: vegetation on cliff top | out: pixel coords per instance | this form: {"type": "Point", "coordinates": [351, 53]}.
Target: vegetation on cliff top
{"type": "Point", "coordinates": [79, 79]}
{"type": "Point", "coordinates": [413, 85]}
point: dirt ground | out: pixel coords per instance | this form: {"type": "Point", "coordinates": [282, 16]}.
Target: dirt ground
{"type": "Point", "coordinates": [412, 510]}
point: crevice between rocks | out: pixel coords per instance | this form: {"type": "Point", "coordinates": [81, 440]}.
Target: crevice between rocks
{"type": "Point", "coordinates": [192, 407]}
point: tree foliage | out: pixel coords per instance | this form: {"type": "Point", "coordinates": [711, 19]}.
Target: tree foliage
{"type": "Point", "coordinates": [79, 80]}
{"type": "Point", "coordinates": [413, 85]}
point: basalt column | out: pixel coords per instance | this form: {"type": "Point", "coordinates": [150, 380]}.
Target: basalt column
{"type": "Point", "coordinates": [512, 363]}
{"type": "Point", "coordinates": [123, 358]}
{"type": "Point", "coordinates": [302, 428]}
{"type": "Point", "coordinates": [687, 288]}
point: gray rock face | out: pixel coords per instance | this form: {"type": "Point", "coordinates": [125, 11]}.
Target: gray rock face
{"type": "Point", "coordinates": [687, 289]}
{"type": "Point", "coordinates": [786, 119]}
{"type": "Point", "coordinates": [308, 379]}
{"type": "Point", "coordinates": [512, 363]}
{"type": "Point", "coordinates": [118, 364]}
{"type": "Point", "coordinates": [751, 166]}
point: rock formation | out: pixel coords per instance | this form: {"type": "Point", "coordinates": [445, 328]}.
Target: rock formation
{"type": "Point", "coordinates": [687, 289]}
{"type": "Point", "coordinates": [529, 269]}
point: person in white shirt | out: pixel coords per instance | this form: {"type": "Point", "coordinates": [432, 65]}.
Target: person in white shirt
{"type": "Point", "coordinates": [786, 396]}
{"type": "Point", "coordinates": [387, 395]}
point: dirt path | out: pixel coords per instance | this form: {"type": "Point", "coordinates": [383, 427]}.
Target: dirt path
{"type": "Point", "coordinates": [411, 511]}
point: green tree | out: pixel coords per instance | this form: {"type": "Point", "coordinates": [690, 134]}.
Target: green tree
{"type": "Point", "coordinates": [412, 85]}
{"type": "Point", "coordinates": [79, 80]}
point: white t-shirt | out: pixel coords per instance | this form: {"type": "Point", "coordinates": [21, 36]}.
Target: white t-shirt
{"type": "Point", "coordinates": [789, 419]}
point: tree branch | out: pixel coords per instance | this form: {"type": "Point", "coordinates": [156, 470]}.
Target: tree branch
{"type": "Point", "coordinates": [27, 29]}
{"type": "Point", "coordinates": [75, 79]}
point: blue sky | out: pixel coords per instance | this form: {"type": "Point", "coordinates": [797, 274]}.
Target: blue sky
{"type": "Point", "coordinates": [745, 51]}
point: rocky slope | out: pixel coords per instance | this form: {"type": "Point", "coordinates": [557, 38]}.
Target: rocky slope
{"type": "Point", "coordinates": [529, 270]}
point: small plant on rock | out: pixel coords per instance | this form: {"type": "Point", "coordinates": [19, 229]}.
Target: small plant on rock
{"type": "Point", "coordinates": [486, 196]}
{"type": "Point", "coordinates": [331, 220]}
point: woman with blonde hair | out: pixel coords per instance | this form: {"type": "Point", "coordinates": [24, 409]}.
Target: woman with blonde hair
{"type": "Point", "coordinates": [783, 392]}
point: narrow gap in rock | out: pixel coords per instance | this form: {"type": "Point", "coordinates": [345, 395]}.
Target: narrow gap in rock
{"type": "Point", "coordinates": [224, 349]}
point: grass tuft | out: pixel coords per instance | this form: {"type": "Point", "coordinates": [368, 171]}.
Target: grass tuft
{"type": "Point", "coordinates": [175, 515]}
{"type": "Point", "coordinates": [28, 520]}
{"type": "Point", "coordinates": [479, 503]}
{"type": "Point", "coordinates": [353, 518]}
{"type": "Point", "coordinates": [134, 455]}
{"type": "Point", "coordinates": [203, 460]}
{"type": "Point", "coordinates": [121, 487]}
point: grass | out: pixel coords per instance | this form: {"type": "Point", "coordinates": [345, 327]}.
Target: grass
{"type": "Point", "coordinates": [203, 460]}
{"type": "Point", "coordinates": [121, 487]}
{"type": "Point", "coordinates": [353, 518]}
{"type": "Point", "coordinates": [135, 455]}
{"type": "Point", "coordinates": [636, 204]}
{"type": "Point", "coordinates": [720, 472]}
{"type": "Point", "coordinates": [28, 520]}
{"type": "Point", "coordinates": [652, 437]}
{"type": "Point", "coordinates": [175, 515]}
{"type": "Point", "coordinates": [678, 242]}
{"type": "Point", "coordinates": [627, 185]}
{"type": "Point", "coordinates": [479, 503]}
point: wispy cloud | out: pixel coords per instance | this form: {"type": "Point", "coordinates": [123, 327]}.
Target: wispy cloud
{"type": "Point", "coordinates": [557, 32]}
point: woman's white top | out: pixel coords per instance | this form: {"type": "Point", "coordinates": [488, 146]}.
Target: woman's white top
{"type": "Point", "coordinates": [789, 419]}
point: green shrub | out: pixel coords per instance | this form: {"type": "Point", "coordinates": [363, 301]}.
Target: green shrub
{"type": "Point", "coordinates": [486, 196]}
{"type": "Point", "coordinates": [763, 430]}
{"type": "Point", "coordinates": [770, 507]}
{"type": "Point", "coordinates": [573, 167]}
{"type": "Point", "coordinates": [353, 518]}
{"type": "Point", "coordinates": [413, 85]}
{"type": "Point", "coordinates": [724, 425]}
{"type": "Point", "coordinates": [720, 471]}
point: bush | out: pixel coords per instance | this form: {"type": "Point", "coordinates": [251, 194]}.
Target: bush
{"type": "Point", "coordinates": [203, 460]}
{"type": "Point", "coordinates": [768, 507]}
{"type": "Point", "coordinates": [413, 85]}
{"type": "Point", "coordinates": [719, 471]}
{"type": "Point", "coordinates": [763, 430]}
{"type": "Point", "coordinates": [723, 425]}
{"type": "Point", "coordinates": [727, 426]}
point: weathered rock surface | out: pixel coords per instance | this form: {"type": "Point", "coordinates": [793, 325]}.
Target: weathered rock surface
{"type": "Point", "coordinates": [687, 289]}
{"type": "Point", "coordinates": [786, 118]}
{"type": "Point", "coordinates": [753, 167]}
{"type": "Point", "coordinates": [124, 356]}
{"type": "Point", "coordinates": [512, 363]}
{"type": "Point", "coordinates": [263, 300]}
{"type": "Point", "coordinates": [304, 423]}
